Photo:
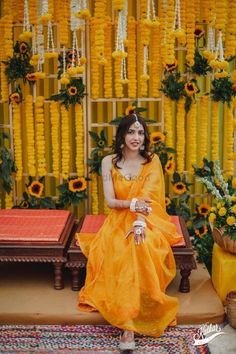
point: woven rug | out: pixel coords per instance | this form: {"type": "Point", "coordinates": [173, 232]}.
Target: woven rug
{"type": "Point", "coordinates": [88, 339]}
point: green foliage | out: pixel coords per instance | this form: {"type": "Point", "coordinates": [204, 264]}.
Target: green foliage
{"type": "Point", "coordinates": [72, 94]}
{"type": "Point", "coordinates": [204, 247]}
{"type": "Point", "coordinates": [72, 192]}
{"type": "Point", "coordinates": [173, 86]}
{"type": "Point", "coordinates": [19, 65]}
{"type": "Point", "coordinates": [97, 154]}
{"type": "Point", "coordinates": [179, 206]}
{"type": "Point", "coordinates": [222, 90]}
{"type": "Point", "coordinates": [7, 165]}
{"type": "Point", "coordinates": [201, 65]}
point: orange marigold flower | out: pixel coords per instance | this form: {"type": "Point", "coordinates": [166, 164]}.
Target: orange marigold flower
{"type": "Point", "coordinates": [77, 184]}
{"type": "Point", "coordinates": [179, 188]}
{"type": "Point", "coordinates": [36, 189]}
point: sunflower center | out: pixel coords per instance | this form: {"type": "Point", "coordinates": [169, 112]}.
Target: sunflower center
{"type": "Point", "coordinates": [36, 189]}
{"type": "Point", "coordinates": [77, 184]}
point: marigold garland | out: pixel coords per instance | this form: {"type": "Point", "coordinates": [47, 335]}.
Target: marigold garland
{"type": "Point", "coordinates": [94, 62]}
{"type": "Point", "coordinates": [168, 121]}
{"type": "Point", "coordinates": [215, 131]}
{"type": "Point", "coordinates": [62, 19]}
{"type": "Point", "coordinates": [192, 136]}
{"type": "Point", "coordinates": [155, 70]}
{"type": "Point", "coordinates": [190, 27]}
{"type": "Point", "coordinates": [99, 39]}
{"type": "Point", "coordinates": [40, 136]}
{"type": "Point", "coordinates": [230, 38]}
{"type": "Point", "coordinates": [94, 193]}
{"type": "Point", "coordinates": [55, 138]}
{"type": "Point", "coordinates": [229, 139]}
{"type": "Point", "coordinates": [9, 200]}
{"type": "Point", "coordinates": [8, 36]}
{"type": "Point", "coordinates": [79, 129]}
{"type": "Point", "coordinates": [131, 60]}
{"type": "Point", "coordinates": [221, 15]}
{"type": "Point", "coordinates": [180, 135]}
{"type": "Point", "coordinates": [17, 137]}
{"type": "Point", "coordinates": [203, 125]}
{"type": "Point", "coordinates": [4, 84]}
{"type": "Point", "coordinates": [32, 11]}
{"type": "Point", "coordinates": [169, 38]}
{"type": "Point", "coordinates": [30, 146]}
{"type": "Point", "coordinates": [108, 56]}
{"type": "Point", "coordinates": [65, 143]}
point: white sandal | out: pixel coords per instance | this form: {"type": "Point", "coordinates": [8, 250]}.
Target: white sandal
{"type": "Point", "coordinates": [126, 345]}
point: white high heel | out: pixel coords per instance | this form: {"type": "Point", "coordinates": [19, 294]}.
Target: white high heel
{"type": "Point", "coordinates": [126, 345]}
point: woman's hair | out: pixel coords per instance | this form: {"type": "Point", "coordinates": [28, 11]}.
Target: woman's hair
{"type": "Point", "coordinates": [121, 132]}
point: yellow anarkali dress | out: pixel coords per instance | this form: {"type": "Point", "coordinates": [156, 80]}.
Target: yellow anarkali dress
{"type": "Point", "coordinates": [125, 282]}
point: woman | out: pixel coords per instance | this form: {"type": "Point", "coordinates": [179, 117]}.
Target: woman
{"type": "Point", "coordinates": [130, 262]}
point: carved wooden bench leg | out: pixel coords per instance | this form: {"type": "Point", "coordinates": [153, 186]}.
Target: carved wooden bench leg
{"type": "Point", "coordinates": [75, 283]}
{"type": "Point", "coordinates": [184, 286]}
{"type": "Point", "coordinates": [58, 280]}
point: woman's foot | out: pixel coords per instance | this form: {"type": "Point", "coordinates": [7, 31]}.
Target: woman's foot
{"type": "Point", "coordinates": [127, 341]}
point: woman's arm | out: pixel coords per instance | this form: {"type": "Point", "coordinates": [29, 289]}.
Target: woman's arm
{"type": "Point", "coordinates": [108, 188]}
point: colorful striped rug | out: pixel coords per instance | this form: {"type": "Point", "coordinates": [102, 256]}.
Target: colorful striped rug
{"type": "Point", "coordinates": [88, 339]}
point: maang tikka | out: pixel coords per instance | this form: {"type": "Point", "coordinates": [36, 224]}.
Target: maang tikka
{"type": "Point", "coordinates": [137, 124]}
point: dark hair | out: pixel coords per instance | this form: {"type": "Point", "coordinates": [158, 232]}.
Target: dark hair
{"type": "Point", "coordinates": [121, 132]}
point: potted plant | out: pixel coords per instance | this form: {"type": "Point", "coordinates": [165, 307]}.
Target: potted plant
{"type": "Point", "coordinates": [222, 216]}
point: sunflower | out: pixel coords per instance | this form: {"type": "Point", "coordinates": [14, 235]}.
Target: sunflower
{"type": "Point", "coordinates": [179, 188]}
{"type": "Point", "coordinates": [36, 189]}
{"type": "Point", "coordinates": [77, 184]}
{"type": "Point", "coordinates": [203, 209]}
{"type": "Point", "coordinates": [130, 110]}
{"type": "Point", "coordinates": [201, 231]}
{"type": "Point", "coordinates": [101, 143]}
{"type": "Point", "coordinates": [156, 137]}
{"type": "Point", "coordinates": [167, 201]}
{"type": "Point", "coordinates": [190, 88]}
{"type": "Point", "coordinates": [169, 167]}
{"type": "Point", "coordinates": [23, 47]}
{"type": "Point", "coordinates": [198, 33]}
{"type": "Point", "coordinates": [172, 66]}
{"type": "Point", "coordinates": [72, 90]}
{"type": "Point", "coordinates": [15, 98]}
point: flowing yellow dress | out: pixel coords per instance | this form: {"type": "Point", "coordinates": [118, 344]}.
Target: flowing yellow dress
{"type": "Point", "coordinates": [125, 282]}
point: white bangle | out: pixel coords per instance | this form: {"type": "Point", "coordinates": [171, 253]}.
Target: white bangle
{"type": "Point", "coordinates": [132, 204]}
{"type": "Point", "coordinates": [139, 223]}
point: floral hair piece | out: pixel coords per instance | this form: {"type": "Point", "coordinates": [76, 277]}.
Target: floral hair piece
{"type": "Point", "coordinates": [136, 123]}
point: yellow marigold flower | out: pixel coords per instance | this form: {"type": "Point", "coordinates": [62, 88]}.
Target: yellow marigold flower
{"type": "Point", "coordinates": [201, 231]}
{"type": "Point", "coordinates": [167, 201]}
{"type": "Point", "coordinates": [170, 167]}
{"type": "Point", "coordinates": [155, 137]}
{"type": "Point", "coordinates": [83, 14]}
{"type": "Point", "coordinates": [222, 211]}
{"type": "Point", "coordinates": [36, 189]}
{"type": "Point", "coordinates": [212, 217]}
{"type": "Point", "coordinates": [79, 69]}
{"type": "Point", "coordinates": [64, 80]}
{"type": "Point", "coordinates": [49, 55]}
{"type": "Point", "coordinates": [234, 184]}
{"type": "Point", "coordinates": [25, 36]}
{"type": "Point", "coordinates": [77, 184]}
{"type": "Point", "coordinates": [72, 70]}
{"type": "Point", "coordinates": [72, 90]}
{"type": "Point", "coordinates": [39, 75]}
{"type": "Point", "coordinates": [204, 209]}
{"type": "Point", "coordinates": [221, 74]}
{"type": "Point", "coordinates": [179, 33]}
{"type": "Point", "coordinates": [233, 209]}
{"type": "Point", "coordinates": [230, 220]}
{"type": "Point", "coordinates": [213, 209]}
{"type": "Point", "coordinates": [179, 188]}
{"type": "Point", "coordinates": [45, 18]}
{"type": "Point", "coordinates": [223, 64]}
{"type": "Point", "coordinates": [83, 60]}
{"type": "Point", "coordinates": [130, 110]}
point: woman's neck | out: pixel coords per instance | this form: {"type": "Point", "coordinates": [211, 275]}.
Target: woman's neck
{"type": "Point", "coordinates": [131, 155]}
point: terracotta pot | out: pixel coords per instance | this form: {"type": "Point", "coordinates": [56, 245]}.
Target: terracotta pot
{"type": "Point", "coordinates": [225, 241]}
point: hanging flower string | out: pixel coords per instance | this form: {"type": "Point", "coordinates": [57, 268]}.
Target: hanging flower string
{"type": "Point", "coordinates": [50, 51]}
{"type": "Point", "coordinates": [204, 100]}
{"type": "Point", "coordinates": [180, 134]}
{"type": "Point", "coordinates": [55, 126]}
{"type": "Point", "coordinates": [131, 60]}
{"type": "Point", "coordinates": [108, 64]}
{"type": "Point", "coordinates": [79, 129]}
{"type": "Point", "coordinates": [26, 35]}
{"type": "Point", "coordinates": [17, 136]}
{"type": "Point", "coordinates": [215, 131]}
{"type": "Point", "coordinates": [229, 138]}
{"type": "Point", "coordinates": [40, 136]}
{"type": "Point", "coordinates": [65, 143]}
{"type": "Point", "coordinates": [30, 147]}
{"type": "Point", "coordinates": [192, 136]}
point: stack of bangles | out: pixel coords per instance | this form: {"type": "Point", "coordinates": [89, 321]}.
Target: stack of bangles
{"type": "Point", "coordinates": [133, 207]}
{"type": "Point", "coordinates": [139, 225]}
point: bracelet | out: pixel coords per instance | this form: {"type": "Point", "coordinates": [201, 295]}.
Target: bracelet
{"type": "Point", "coordinates": [139, 223]}
{"type": "Point", "coordinates": [132, 204]}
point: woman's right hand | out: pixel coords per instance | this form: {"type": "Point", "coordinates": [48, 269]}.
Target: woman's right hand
{"type": "Point", "coordinates": [143, 206]}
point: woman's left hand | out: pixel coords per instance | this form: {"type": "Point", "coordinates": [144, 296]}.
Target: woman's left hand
{"type": "Point", "coordinates": [139, 234]}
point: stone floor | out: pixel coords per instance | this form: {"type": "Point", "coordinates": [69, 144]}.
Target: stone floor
{"type": "Point", "coordinates": [225, 343]}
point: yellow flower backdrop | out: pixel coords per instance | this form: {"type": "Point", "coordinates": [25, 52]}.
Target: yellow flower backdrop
{"type": "Point", "coordinates": [123, 50]}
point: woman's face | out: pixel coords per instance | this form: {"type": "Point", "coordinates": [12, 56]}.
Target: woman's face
{"type": "Point", "coordinates": [134, 138]}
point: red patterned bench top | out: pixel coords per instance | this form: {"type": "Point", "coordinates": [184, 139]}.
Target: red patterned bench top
{"type": "Point", "coordinates": [32, 225]}
{"type": "Point", "coordinates": [92, 224]}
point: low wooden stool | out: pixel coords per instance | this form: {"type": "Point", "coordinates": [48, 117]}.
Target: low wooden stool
{"type": "Point", "coordinates": [183, 252]}
{"type": "Point", "coordinates": [37, 236]}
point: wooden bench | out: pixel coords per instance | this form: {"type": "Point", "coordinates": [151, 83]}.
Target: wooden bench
{"type": "Point", "coordinates": [37, 236]}
{"type": "Point", "coordinates": [184, 257]}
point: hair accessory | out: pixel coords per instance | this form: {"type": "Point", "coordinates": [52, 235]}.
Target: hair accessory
{"type": "Point", "coordinates": [137, 124]}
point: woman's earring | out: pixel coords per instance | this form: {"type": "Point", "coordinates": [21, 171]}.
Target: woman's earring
{"type": "Point", "coordinates": [142, 148]}
{"type": "Point", "coordinates": [121, 146]}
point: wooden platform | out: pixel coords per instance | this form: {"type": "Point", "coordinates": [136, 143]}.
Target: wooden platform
{"type": "Point", "coordinates": [27, 297]}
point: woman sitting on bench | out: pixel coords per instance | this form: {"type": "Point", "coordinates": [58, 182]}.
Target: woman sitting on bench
{"type": "Point", "coordinates": [130, 261]}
